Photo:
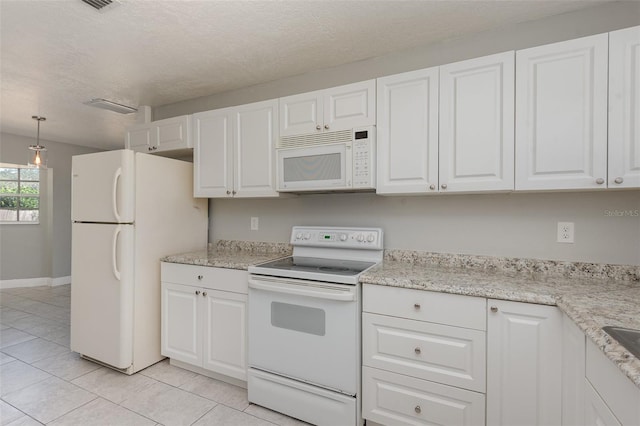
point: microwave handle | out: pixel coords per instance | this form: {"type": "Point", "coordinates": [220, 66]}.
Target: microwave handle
{"type": "Point", "coordinates": [302, 290]}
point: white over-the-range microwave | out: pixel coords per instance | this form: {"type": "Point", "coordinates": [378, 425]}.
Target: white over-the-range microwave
{"type": "Point", "coordinates": [344, 160]}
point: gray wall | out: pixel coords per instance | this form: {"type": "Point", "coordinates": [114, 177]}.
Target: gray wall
{"type": "Point", "coordinates": [521, 225]}
{"type": "Point", "coordinates": [44, 250]}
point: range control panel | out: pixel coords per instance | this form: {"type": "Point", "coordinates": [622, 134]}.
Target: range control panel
{"type": "Point", "coordinates": [351, 238]}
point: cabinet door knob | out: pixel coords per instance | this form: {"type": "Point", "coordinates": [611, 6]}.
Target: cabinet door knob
{"type": "Point", "coordinates": [197, 292]}
{"type": "Point", "coordinates": [318, 127]}
{"type": "Point", "coordinates": [326, 126]}
{"type": "Point", "coordinates": [204, 294]}
{"type": "Point", "coordinates": [416, 306]}
{"type": "Point", "coordinates": [418, 351]}
{"type": "Point", "coordinates": [228, 192]}
{"type": "Point", "coordinates": [599, 181]}
{"type": "Point", "coordinates": [443, 186]}
{"type": "Point", "coordinates": [149, 149]}
{"type": "Point", "coordinates": [618, 180]}
{"type": "Point", "coordinates": [494, 309]}
{"type": "Point", "coordinates": [200, 277]}
{"type": "Point", "coordinates": [418, 409]}
{"type": "Point", "coordinates": [233, 192]}
{"type": "Point", "coordinates": [432, 187]}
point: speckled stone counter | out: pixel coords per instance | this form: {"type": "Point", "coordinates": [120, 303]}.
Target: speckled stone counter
{"type": "Point", "coordinates": [591, 295]}
{"type": "Point", "coordinates": [233, 254]}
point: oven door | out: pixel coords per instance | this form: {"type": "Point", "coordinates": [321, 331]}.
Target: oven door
{"type": "Point", "coordinates": [305, 330]}
{"type": "Point", "coordinates": [324, 167]}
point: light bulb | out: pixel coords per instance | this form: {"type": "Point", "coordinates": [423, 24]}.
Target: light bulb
{"type": "Point", "coordinates": [38, 160]}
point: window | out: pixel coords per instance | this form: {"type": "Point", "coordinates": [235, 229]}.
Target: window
{"type": "Point", "coordinates": [19, 194]}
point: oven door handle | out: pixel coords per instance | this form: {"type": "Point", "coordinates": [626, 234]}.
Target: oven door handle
{"type": "Point", "coordinates": [303, 290]}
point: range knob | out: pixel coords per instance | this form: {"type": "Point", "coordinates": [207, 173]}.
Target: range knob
{"type": "Point", "coordinates": [298, 236]}
{"type": "Point", "coordinates": [370, 238]}
{"type": "Point", "coordinates": [343, 237]}
{"type": "Point", "coordinates": [360, 238]}
{"type": "Point", "coordinates": [307, 236]}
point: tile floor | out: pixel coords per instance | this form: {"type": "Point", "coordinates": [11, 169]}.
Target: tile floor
{"type": "Point", "coordinates": [43, 382]}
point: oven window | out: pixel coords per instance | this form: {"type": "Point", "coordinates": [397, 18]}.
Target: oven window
{"type": "Point", "coordinates": [299, 318]}
{"type": "Point", "coordinates": [312, 167]}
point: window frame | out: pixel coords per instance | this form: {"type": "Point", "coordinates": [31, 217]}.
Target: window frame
{"type": "Point", "coordinates": [21, 195]}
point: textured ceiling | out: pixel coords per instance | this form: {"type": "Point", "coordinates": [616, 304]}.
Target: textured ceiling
{"type": "Point", "coordinates": [57, 54]}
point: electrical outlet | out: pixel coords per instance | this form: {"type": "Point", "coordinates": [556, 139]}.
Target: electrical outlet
{"type": "Point", "coordinates": [565, 232]}
{"type": "Point", "coordinates": [255, 224]}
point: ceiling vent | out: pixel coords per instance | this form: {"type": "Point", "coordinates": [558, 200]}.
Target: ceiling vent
{"type": "Point", "coordinates": [101, 5]}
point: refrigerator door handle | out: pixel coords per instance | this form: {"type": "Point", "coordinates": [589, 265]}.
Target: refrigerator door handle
{"type": "Point", "coordinates": [114, 253]}
{"type": "Point", "coordinates": [116, 177]}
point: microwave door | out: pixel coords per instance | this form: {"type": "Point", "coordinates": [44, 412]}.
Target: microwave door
{"type": "Point", "coordinates": [316, 168]}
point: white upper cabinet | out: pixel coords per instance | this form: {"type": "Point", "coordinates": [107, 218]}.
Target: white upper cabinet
{"type": "Point", "coordinates": [234, 152]}
{"type": "Point", "coordinates": [407, 130]}
{"type": "Point", "coordinates": [213, 153]}
{"type": "Point", "coordinates": [624, 108]}
{"type": "Point", "coordinates": [561, 115]}
{"type": "Point", "coordinates": [338, 108]}
{"type": "Point", "coordinates": [476, 124]}
{"type": "Point", "coordinates": [163, 135]}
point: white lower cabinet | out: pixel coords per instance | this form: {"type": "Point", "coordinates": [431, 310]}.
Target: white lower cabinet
{"type": "Point", "coordinates": [596, 412]}
{"type": "Point", "coordinates": [573, 372]}
{"type": "Point", "coordinates": [420, 367]}
{"type": "Point", "coordinates": [524, 364]}
{"type": "Point", "coordinates": [204, 318]}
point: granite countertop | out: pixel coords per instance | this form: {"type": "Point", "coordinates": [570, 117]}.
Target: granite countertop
{"type": "Point", "coordinates": [593, 296]}
{"type": "Point", "coordinates": [233, 254]}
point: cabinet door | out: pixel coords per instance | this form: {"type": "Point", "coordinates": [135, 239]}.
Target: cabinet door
{"type": "Point", "coordinates": [225, 333]}
{"type": "Point", "coordinates": [349, 106]}
{"type": "Point", "coordinates": [181, 336]}
{"type": "Point", "coordinates": [138, 138]}
{"type": "Point", "coordinates": [407, 130]}
{"type": "Point", "coordinates": [596, 411]}
{"type": "Point", "coordinates": [476, 124]}
{"type": "Point", "coordinates": [255, 135]}
{"type": "Point", "coordinates": [573, 372]}
{"type": "Point", "coordinates": [301, 113]}
{"type": "Point", "coordinates": [624, 108]}
{"type": "Point", "coordinates": [561, 115]}
{"type": "Point", "coordinates": [524, 360]}
{"type": "Point", "coordinates": [213, 153]}
{"type": "Point", "coordinates": [173, 133]}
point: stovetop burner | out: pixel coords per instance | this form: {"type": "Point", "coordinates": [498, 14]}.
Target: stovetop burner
{"type": "Point", "coordinates": [318, 265]}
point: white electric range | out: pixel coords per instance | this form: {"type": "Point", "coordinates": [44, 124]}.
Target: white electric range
{"type": "Point", "coordinates": [304, 325]}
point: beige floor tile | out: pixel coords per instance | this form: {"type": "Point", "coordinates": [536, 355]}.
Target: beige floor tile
{"type": "Point", "coordinates": [224, 393]}
{"type": "Point", "coordinates": [113, 385]}
{"type": "Point", "coordinates": [34, 350]}
{"type": "Point", "coordinates": [4, 358]}
{"type": "Point", "coordinates": [12, 336]}
{"type": "Point", "coordinates": [167, 373]}
{"type": "Point", "coordinates": [9, 316]}
{"type": "Point", "coordinates": [8, 413]}
{"type": "Point", "coordinates": [101, 412]}
{"type": "Point", "coordinates": [224, 416]}
{"type": "Point", "coordinates": [169, 405]}
{"type": "Point", "coordinates": [67, 366]}
{"type": "Point", "coordinates": [273, 416]}
{"type": "Point", "coordinates": [49, 399]}
{"type": "Point", "coordinates": [25, 421]}
{"type": "Point", "coordinates": [17, 375]}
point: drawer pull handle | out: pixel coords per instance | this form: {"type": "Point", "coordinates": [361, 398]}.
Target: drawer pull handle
{"type": "Point", "coordinates": [416, 306]}
{"type": "Point", "coordinates": [494, 309]}
{"type": "Point", "coordinates": [418, 351]}
{"type": "Point", "coordinates": [204, 294]}
{"type": "Point", "coordinates": [418, 409]}
{"type": "Point", "coordinates": [200, 277]}
{"type": "Point", "coordinates": [197, 292]}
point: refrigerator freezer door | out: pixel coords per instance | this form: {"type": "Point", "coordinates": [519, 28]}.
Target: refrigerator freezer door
{"type": "Point", "coordinates": [102, 293]}
{"type": "Point", "coordinates": [103, 187]}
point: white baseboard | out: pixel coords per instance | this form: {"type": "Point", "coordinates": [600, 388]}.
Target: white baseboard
{"type": "Point", "coordinates": [61, 281]}
{"type": "Point", "coordinates": [34, 282]}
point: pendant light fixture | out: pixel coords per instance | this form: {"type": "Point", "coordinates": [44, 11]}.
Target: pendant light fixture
{"type": "Point", "coordinates": [38, 158]}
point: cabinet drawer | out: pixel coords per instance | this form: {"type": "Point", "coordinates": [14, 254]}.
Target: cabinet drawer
{"type": "Point", "coordinates": [390, 398]}
{"type": "Point", "coordinates": [450, 355]}
{"type": "Point", "coordinates": [442, 308]}
{"type": "Point", "coordinates": [223, 279]}
{"type": "Point", "coordinates": [617, 391]}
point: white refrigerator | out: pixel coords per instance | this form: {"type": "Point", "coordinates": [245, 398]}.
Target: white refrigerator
{"type": "Point", "coordinates": [128, 210]}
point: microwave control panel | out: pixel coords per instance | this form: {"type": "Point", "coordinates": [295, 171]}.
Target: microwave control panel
{"type": "Point", "coordinates": [364, 159]}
